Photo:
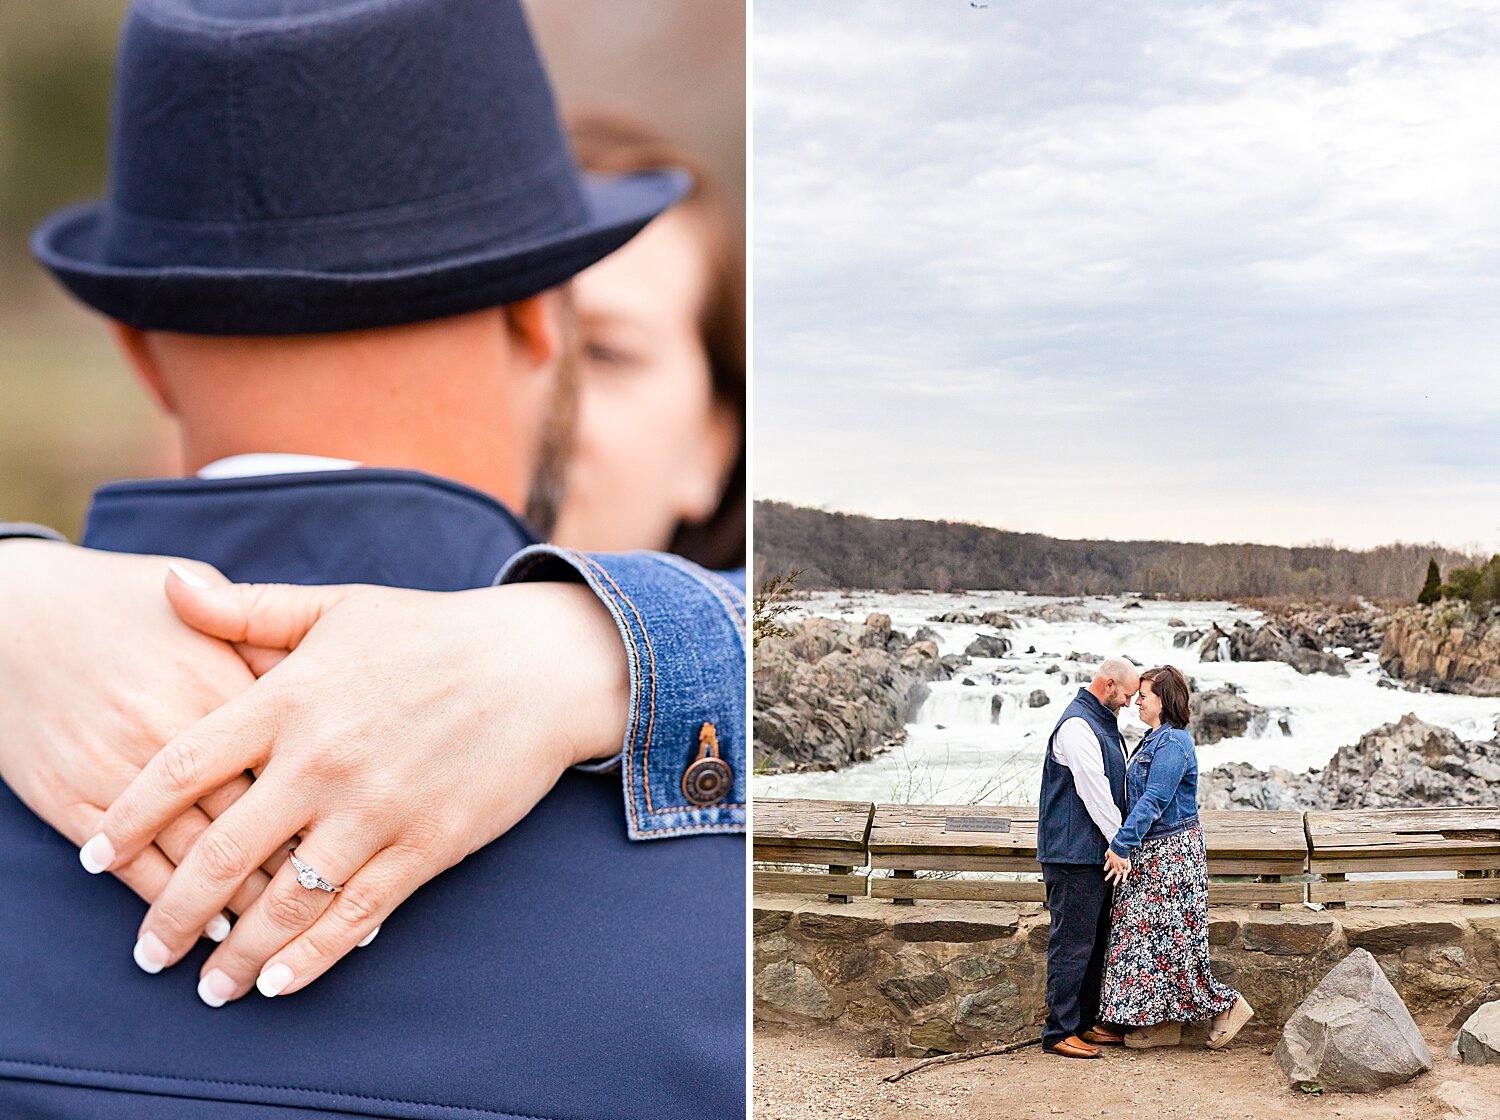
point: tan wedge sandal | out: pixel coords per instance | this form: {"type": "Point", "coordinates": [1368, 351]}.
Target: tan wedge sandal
{"type": "Point", "coordinates": [1158, 1034]}
{"type": "Point", "coordinates": [1240, 1014]}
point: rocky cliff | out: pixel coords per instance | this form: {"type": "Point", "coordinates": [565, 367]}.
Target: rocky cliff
{"type": "Point", "coordinates": [1446, 647]}
{"type": "Point", "coordinates": [832, 692]}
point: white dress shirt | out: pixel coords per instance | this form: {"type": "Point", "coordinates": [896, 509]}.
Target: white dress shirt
{"type": "Point", "coordinates": [260, 462]}
{"type": "Point", "coordinates": [1077, 747]}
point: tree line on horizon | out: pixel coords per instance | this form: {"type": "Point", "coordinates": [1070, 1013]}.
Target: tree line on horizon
{"type": "Point", "coordinates": [843, 550]}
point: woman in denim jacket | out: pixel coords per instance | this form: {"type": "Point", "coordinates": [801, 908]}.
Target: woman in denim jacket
{"type": "Point", "coordinates": [1157, 974]}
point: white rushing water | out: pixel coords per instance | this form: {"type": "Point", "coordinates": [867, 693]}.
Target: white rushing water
{"type": "Point", "coordinates": [960, 749]}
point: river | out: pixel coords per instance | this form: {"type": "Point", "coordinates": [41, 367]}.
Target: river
{"type": "Point", "coordinates": [961, 748]}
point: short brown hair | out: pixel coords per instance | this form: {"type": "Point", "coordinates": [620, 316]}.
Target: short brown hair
{"type": "Point", "coordinates": [613, 144]}
{"type": "Point", "coordinates": [1171, 688]}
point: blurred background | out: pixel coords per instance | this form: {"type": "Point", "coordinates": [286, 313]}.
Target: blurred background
{"type": "Point", "coordinates": [70, 415]}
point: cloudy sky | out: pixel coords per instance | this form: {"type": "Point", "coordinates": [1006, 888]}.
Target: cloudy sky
{"type": "Point", "coordinates": [1201, 272]}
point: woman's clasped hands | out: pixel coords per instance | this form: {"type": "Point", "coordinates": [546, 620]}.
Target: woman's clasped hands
{"type": "Point", "coordinates": [394, 733]}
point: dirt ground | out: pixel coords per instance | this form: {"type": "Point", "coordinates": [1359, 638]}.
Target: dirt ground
{"type": "Point", "coordinates": [819, 1075]}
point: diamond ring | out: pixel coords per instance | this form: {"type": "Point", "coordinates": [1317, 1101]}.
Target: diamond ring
{"type": "Point", "coordinates": [309, 878]}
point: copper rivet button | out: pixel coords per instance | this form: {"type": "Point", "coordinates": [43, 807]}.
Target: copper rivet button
{"type": "Point", "coordinates": [707, 781]}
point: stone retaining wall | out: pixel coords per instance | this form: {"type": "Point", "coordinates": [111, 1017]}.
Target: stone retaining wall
{"type": "Point", "coordinates": [949, 975]}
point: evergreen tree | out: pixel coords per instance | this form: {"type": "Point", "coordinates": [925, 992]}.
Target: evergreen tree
{"type": "Point", "coordinates": [1432, 590]}
{"type": "Point", "coordinates": [1462, 583]}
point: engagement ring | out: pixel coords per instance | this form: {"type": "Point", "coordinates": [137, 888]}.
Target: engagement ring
{"type": "Point", "coordinates": [309, 878]}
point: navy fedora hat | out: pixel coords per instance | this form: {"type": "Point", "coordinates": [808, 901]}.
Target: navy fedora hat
{"type": "Point", "coordinates": [305, 166]}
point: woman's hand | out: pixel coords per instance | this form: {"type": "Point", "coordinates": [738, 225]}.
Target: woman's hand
{"type": "Point", "coordinates": [98, 674]}
{"type": "Point", "coordinates": [405, 730]}
{"type": "Point", "coordinates": [1116, 868]}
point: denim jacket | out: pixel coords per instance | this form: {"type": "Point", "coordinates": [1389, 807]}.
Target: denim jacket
{"type": "Point", "coordinates": [683, 629]}
{"type": "Point", "coordinates": [684, 634]}
{"type": "Point", "coordinates": [1161, 789]}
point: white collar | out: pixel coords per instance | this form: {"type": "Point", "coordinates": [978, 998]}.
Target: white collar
{"type": "Point", "coordinates": [258, 463]}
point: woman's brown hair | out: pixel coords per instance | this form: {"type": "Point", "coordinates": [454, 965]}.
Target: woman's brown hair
{"type": "Point", "coordinates": [1171, 688]}
{"type": "Point", "coordinates": [610, 144]}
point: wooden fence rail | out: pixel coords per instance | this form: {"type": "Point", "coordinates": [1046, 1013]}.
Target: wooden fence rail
{"type": "Point", "coordinates": [1385, 842]}
{"type": "Point", "coordinates": [988, 853]}
{"type": "Point", "coordinates": [828, 836]}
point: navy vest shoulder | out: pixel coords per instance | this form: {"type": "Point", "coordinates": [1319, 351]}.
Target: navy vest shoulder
{"type": "Point", "coordinates": [1065, 831]}
{"type": "Point", "coordinates": [561, 971]}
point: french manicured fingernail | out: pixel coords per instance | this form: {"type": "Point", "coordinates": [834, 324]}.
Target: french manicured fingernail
{"type": "Point", "coordinates": [97, 854]}
{"type": "Point", "coordinates": [369, 937]}
{"type": "Point", "coordinates": [217, 928]}
{"type": "Point", "coordinates": [274, 980]}
{"type": "Point", "coordinates": [151, 954]}
{"type": "Point", "coordinates": [215, 988]}
{"type": "Point", "coordinates": [187, 577]}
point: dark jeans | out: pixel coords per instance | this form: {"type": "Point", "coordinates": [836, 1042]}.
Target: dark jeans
{"type": "Point", "coordinates": [1078, 899]}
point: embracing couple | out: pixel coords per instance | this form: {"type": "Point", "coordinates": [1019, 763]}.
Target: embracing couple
{"type": "Point", "coordinates": [338, 248]}
{"type": "Point", "coordinates": [1134, 968]}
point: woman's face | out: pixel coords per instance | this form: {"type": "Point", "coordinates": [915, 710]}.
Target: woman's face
{"type": "Point", "coordinates": [652, 447]}
{"type": "Point", "coordinates": [1149, 704]}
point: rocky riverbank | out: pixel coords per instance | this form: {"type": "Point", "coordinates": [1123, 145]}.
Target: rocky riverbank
{"type": "Point", "coordinates": [1314, 626]}
{"type": "Point", "coordinates": [1271, 641]}
{"type": "Point", "coordinates": [1446, 647]}
{"type": "Point", "coordinates": [832, 693]}
{"type": "Point", "coordinates": [1309, 638]}
{"type": "Point", "coordinates": [1403, 764]}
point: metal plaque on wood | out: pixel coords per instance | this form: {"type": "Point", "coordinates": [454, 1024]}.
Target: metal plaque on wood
{"type": "Point", "coordinates": [977, 824]}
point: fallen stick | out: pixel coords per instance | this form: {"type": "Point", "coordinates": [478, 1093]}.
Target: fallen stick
{"type": "Point", "coordinates": [964, 1056]}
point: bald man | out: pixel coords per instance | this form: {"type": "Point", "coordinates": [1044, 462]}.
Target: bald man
{"type": "Point", "coordinates": [1081, 806]}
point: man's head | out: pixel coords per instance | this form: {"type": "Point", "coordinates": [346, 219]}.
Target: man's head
{"type": "Point", "coordinates": [486, 398]}
{"type": "Point", "coordinates": [349, 232]}
{"type": "Point", "coordinates": [1115, 682]}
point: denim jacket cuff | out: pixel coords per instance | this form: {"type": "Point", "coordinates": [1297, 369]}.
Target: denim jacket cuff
{"type": "Point", "coordinates": [683, 629]}
{"type": "Point", "coordinates": [11, 530]}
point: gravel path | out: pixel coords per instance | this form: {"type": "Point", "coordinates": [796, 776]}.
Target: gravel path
{"type": "Point", "coordinates": [819, 1075]}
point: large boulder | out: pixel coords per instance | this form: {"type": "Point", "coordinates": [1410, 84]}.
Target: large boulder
{"type": "Point", "coordinates": [988, 645]}
{"type": "Point", "coordinates": [1353, 1034]}
{"type": "Point", "coordinates": [1479, 1038]}
{"type": "Point", "coordinates": [1222, 713]}
{"type": "Point", "coordinates": [1309, 661]}
{"type": "Point", "coordinates": [1185, 638]}
{"type": "Point", "coordinates": [1267, 643]}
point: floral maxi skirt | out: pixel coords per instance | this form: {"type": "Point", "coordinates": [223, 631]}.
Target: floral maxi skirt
{"type": "Point", "coordinates": [1156, 969]}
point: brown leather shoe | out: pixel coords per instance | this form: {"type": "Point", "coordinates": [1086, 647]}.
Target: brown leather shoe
{"type": "Point", "coordinates": [1100, 1035]}
{"type": "Point", "coordinates": [1072, 1047]}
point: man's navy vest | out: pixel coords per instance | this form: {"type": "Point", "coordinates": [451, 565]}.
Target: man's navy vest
{"type": "Point", "coordinates": [1065, 831]}
{"type": "Point", "coordinates": [561, 971]}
